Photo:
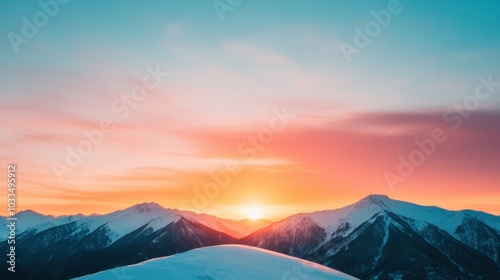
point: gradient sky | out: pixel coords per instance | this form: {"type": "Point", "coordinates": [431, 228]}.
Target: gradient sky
{"type": "Point", "coordinates": [226, 78]}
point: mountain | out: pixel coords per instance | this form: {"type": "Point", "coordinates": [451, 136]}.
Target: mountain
{"type": "Point", "coordinates": [248, 226]}
{"type": "Point", "coordinates": [237, 229]}
{"type": "Point", "coordinates": [30, 222]}
{"type": "Point", "coordinates": [374, 238]}
{"type": "Point", "coordinates": [381, 238]}
{"type": "Point", "coordinates": [128, 236]}
{"type": "Point", "coordinates": [228, 262]}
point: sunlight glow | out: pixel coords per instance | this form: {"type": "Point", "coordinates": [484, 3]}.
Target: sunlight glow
{"type": "Point", "coordinates": [254, 213]}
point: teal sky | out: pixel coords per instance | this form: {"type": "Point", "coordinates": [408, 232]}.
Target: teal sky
{"type": "Point", "coordinates": [430, 44]}
{"type": "Point", "coordinates": [227, 77]}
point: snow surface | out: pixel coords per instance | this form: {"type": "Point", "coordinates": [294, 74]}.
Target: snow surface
{"type": "Point", "coordinates": [361, 211]}
{"type": "Point", "coordinates": [231, 262]}
{"type": "Point", "coordinates": [119, 222]}
{"type": "Point", "coordinates": [125, 221]}
{"type": "Point", "coordinates": [354, 214]}
{"type": "Point", "coordinates": [445, 219]}
{"type": "Point", "coordinates": [36, 222]}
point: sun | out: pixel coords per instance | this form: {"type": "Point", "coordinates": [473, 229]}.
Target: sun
{"type": "Point", "coordinates": [254, 213]}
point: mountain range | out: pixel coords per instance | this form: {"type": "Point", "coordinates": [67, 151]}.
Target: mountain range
{"type": "Point", "coordinates": [374, 238]}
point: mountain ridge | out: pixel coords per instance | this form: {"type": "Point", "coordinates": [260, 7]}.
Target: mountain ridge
{"type": "Point", "coordinates": [471, 239]}
{"type": "Point", "coordinates": [460, 244]}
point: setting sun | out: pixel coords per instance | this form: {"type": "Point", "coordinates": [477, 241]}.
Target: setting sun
{"type": "Point", "coordinates": [254, 213]}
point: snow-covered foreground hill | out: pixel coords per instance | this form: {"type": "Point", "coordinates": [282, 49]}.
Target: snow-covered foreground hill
{"type": "Point", "coordinates": [231, 262]}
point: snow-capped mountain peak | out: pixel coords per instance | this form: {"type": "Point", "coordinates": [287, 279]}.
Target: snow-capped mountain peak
{"type": "Point", "coordinates": [148, 207]}
{"type": "Point", "coordinates": [121, 222]}
{"type": "Point", "coordinates": [376, 199]}
{"type": "Point", "coordinates": [29, 213]}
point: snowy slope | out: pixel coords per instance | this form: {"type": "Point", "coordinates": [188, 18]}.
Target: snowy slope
{"type": "Point", "coordinates": [359, 212]}
{"type": "Point", "coordinates": [445, 219]}
{"type": "Point", "coordinates": [155, 216]}
{"type": "Point", "coordinates": [30, 220]}
{"type": "Point", "coordinates": [331, 220]}
{"type": "Point", "coordinates": [231, 262]}
{"type": "Point", "coordinates": [26, 220]}
{"type": "Point", "coordinates": [372, 237]}
{"type": "Point", "coordinates": [122, 222]}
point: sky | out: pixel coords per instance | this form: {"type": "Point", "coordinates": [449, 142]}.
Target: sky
{"type": "Point", "coordinates": [229, 107]}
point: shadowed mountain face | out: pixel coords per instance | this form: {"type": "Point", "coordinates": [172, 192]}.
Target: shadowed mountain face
{"type": "Point", "coordinates": [375, 238]}
{"type": "Point", "coordinates": [144, 243]}
{"type": "Point", "coordinates": [387, 247]}
{"type": "Point", "coordinates": [479, 236]}
{"type": "Point", "coordinates": [294, 239]}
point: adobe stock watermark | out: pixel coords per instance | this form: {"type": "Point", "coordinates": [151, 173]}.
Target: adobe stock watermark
{"type": "Point", "coordinates": [223, 6]}
{"type": "Point", "coordinates": [30, 27]}
{"type": "Point", "coordinates": [454, 116]}
{"type": "Point", "coordinates": [373, 28]}
{"type": "Point", "coordinates": [250, 147]}
{"type": "Point", "coordinates": [121, 107]}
